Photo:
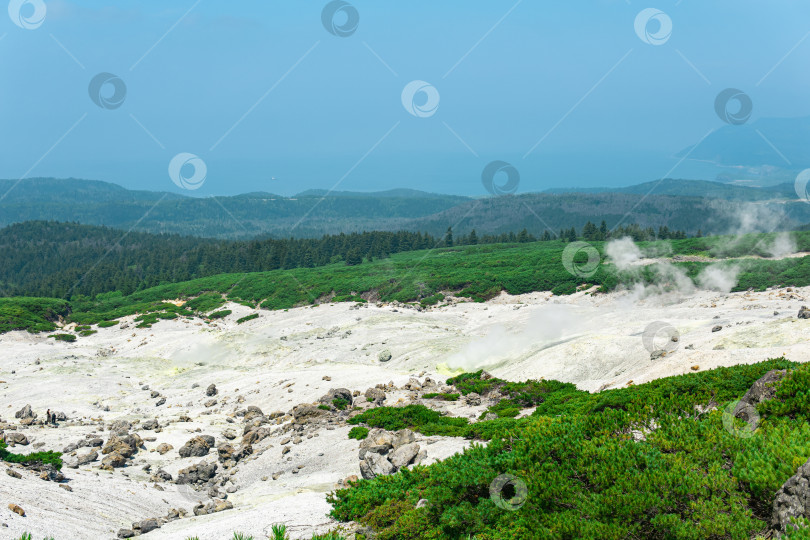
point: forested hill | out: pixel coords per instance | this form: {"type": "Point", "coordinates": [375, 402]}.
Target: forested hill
{"type": "Point", "coordinates": [678, 204]}
{"type": "Point", "coordinates": [63, 260]}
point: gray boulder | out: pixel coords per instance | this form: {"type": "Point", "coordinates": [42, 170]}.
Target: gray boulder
{"type": "Point", "coordinates": [791, 500]}
{"type": "Point", "coordinates": [120, 427]}
{"type": "Point", "coordinates": [211, 390]}
{"type": "Point", "coordinates": [25, 412]}
{"type": "Point", "coordinates": [15, 438]}
{"type": "Point", "coordinates": [337, 393]}
{"type": "Point", "coordinates": [804, 313]}
{"type": "Point", "coordinates": [403, 455]}
{"type": "Point", "coordinates": [765, 387]}
{"type": "Point", "coordinates": [197, 446]}
{"type": "Point", "coordinates": [375, 465]}
{"type": "Point", "coordinates": [197, 474]}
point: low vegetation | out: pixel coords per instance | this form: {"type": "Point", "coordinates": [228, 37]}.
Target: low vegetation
{"type": "Point", "coordinates": [476, 272]}
{"type": "Point", "coordinates": [647, 461]}
{"type": "Point", "coordinates": [41, 458]}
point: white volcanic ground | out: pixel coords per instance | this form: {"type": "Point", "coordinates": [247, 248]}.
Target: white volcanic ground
{"type": "Point", "coordinates": [279, 360]}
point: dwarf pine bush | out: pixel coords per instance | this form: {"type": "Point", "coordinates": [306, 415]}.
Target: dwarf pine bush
{"type": "Point", "coordinates": [651, 461]}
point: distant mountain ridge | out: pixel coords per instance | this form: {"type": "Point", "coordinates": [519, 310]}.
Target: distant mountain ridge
{"type": "Point", "coordinates": [688, 205]}
{"type": "Point", "coordinates": [776, 142]}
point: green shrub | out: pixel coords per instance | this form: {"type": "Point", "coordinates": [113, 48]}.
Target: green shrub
{"type": "Point", "coordinates": [31, 314]}
{"type": "Point", "coordinates": [358, 432]}
{"type": "Point", "coordinates": [45, 458]}
{"type": "Point", "coordinates": [324, 407]}
{"type": "Point", "coordinates": [340, 404]}
{"type": "Point", "coordinates": [205, 302]}
{"type": "Point", "coordinates": [70, 338]}
{"type": "Point", "coordinates": [414, 417]}
{"type": "Point", "coordinates": [247, 318]}
{"type": "Point", "coordinates": [220, 314]}
{"type": "Point", "coordinates": [445, 397]}
{"type": "Point", "coordinates": [639, 462]}
{"type": "Point", "coordinates": [107, 324]}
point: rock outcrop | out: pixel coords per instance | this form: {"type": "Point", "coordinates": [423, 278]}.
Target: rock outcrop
{"type": "Point", "coordinates": [383, 452]}
{"type": "Point", "coordinates": [792, 500]}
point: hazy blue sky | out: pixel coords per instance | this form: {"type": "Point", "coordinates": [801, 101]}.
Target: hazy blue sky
{"type": "Point", "coordinates": [606, 107]}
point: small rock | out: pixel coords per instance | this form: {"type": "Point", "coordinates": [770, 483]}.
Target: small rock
{"type": "Point", "coordinates": [162, 448]}
{"type": "Point", "coordinates": [13, 473]}
{"type": "Point", "coordinates": [717, 328]}
{"type": "Point", "coordinates": [211, 390]}
{"type": "Point", "coordinates": [384, 356]}
{"type": "Point", "coordinates": [16, 509]}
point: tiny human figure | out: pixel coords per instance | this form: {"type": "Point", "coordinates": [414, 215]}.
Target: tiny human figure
{"type": "Point", "coordinates": [48, 417]}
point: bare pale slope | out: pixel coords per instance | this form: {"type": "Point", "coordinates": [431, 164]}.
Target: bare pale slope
{"type": "Point", "coordinates": [594, 341]}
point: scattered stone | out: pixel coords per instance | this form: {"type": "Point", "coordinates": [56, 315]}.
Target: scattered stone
{"type": "Point", "coordinates": [472, 399]}
{"type": "Point", "coordinates": [384, 356]}
{"type": "Point", "coordinates": [375, 394]}
{"type": "Point", "coordinates": [211, 390]}
{"type": "Point", "coordinates": [717, 328]}
{"type": "Point", "coordinates": [16, 509]}
{"type": "Point", "coordinates": [210, 403]}
{"type": "Point", "coordinates": [695, 368]}
{"type": "Point", "coordinates": [160, 402]}
{"type": "Point", "coordinates": [305, 413]}
{"type": "Point", "coordinates": [25, 412]}
{"type": "Point", "coordinates": [126, 533]}
{"type": "Point", "coordinates": [125, 445]}
{"type": "Point", "coordinates": [66, 487]}
{"type": "Point", "coordinates": [14, 439]}
{"type": "Point", "coordinates": [146, 525]}
{"type": "Point", "coordinates": [162, 448]}
{"type": "Point", "coordinates": [150, 425]}
{"type": "Point", "coordinates": [326, 378]}
{"type": "Point", "coordinates": [804, 313]}
{"type": "Point", "coordinates": [120, 427]}
{"type": "Point", "coordinates": [337, 393]}
{"type": "Point", "coordinates": [74, 462]}
{"type": "Point", "coordinates": [197, 446]}
{"type": "Point", "coordinates": [14, 474]}
{"type": "Point", "coordinates": [197, 474]}
{"type": "Point", "coordinates": [113, 461]}
{"type": "Point", "coordinates": [422, 503]}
